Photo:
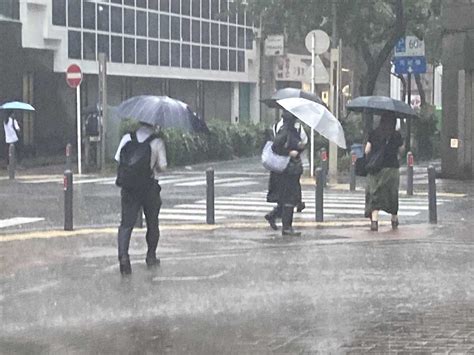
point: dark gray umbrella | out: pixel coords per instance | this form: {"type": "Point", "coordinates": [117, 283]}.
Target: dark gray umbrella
{"type": "Point", "coordinates": [161, 110]}
{"type": "Point", "coordinates": [381, 104]}
{"type": "Point", "coordinates": [291, 92]}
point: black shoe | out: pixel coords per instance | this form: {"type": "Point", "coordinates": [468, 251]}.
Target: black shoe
{"type": "Point", "coordinates": [271, 220]}
{"type": "Point", "coordinates": [395, 224]}
{"type": "Point", "coordinates": [300, 206]}
{"type": "Point", "coordinates": [125, 267]}
{"type": "Point", "coordinates": [152, 261]}
{"type": "Point", "coordinates": [374, 226]}
{"type": "Point", "coordinates": [290, 232]}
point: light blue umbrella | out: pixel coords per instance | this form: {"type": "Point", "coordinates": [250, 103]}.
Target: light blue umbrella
{"type": "Point", "coordinates": [17, 105]}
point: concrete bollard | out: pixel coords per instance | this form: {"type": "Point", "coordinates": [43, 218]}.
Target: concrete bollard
{"type": "Point", "coordinates": [210, 212]}
{"type": "Point", "coordinates": [410, 164]}
{"type": "Point", "coordinates": [352, 183]}
{"type": "Point", "coordinates": [68, 156]}
{"type": "Point", "coordinates": [319, 203]}
{"type": "Point", "coordinates": [11, 161]}
{"type": "Point", "coordinates": [433, 213]}
{"type": "Point", "coordinates": [68, 200]}
{"type": "Point", "coordinates": [324, 165]}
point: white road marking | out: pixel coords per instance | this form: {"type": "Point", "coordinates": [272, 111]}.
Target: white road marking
{"type": "Point", "coordinates": [190, 278]}
{"type": "Point", "coordinates": [4, 223]}
{"type": "Point", "coordinates": [202, 181]}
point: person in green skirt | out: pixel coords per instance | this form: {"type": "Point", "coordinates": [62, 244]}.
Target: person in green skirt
{"type": "Point", "coordinates": [383, 148]}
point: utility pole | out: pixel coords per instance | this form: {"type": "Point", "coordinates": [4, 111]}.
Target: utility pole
{"type": "Point", "coordinates": [335, 88]}
{"type": "Point", "coordinates": [102, 107]}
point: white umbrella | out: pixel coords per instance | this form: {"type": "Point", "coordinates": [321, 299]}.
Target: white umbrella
{"type": "Point", "coordinates": [317, 117]}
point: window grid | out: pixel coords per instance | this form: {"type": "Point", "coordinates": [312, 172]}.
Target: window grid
{"type": "Point", "coordinates": [238, 33]}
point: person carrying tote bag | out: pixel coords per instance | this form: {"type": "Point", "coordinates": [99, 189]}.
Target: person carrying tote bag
{"type": "Point", "coordinates": [382, 166]}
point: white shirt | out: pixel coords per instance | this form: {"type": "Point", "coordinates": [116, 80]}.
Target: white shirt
{"type": "Point", "coordinates": [158, 162]}
{"type": "Point", "coordinates": [10, 133]}
{"type": "Point", "coordinates": [303, 135]}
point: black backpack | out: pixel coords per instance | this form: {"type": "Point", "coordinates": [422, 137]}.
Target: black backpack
{"type": "Point", "coordinates": [134, 171]}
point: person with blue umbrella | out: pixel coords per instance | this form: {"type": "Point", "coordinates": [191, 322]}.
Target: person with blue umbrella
{"type": "Point", "coordinates": [12, 130]}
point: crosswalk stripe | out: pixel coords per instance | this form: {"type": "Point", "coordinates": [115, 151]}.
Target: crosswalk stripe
{"type": "Point", "coordinates": [4, 223]}
{"type": "Point", "coordinates": [202, 181]}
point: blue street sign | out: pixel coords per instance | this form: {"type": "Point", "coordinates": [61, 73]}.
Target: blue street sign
{"type": "Point", "coordinates": [400, 47]}
{"type": "Point", "coordinates": [413, 65]}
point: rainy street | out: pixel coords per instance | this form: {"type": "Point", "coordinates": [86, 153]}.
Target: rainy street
{"type": "Point", "coordinates": [241, 287]}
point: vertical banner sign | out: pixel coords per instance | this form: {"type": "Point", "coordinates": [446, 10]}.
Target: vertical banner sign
{"type": "Point", "coordinates": [74, 79]}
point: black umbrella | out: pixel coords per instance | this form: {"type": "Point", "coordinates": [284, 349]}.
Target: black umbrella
{"type": "Point", "coordinates": [291, 92]}
{"type": "Point", "coordinates": [381, 104]}
{"type": "Point", "coordinates": [163, 111]}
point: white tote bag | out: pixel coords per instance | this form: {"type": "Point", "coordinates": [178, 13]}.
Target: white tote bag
{"type": "Point", "coordinates": [272, 161]}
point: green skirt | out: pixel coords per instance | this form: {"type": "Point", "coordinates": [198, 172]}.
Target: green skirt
{"type": "Point", "coordinates": [381, 192]}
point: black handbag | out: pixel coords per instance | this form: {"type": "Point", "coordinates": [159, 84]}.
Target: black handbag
{"type": "Point", "coordinates": [374, 161]}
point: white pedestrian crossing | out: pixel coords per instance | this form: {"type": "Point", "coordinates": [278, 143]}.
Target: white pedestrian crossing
{"type": "Point", "coordinates": [253, 206]}
{"type": "Point", "coordinates": [16, 221]}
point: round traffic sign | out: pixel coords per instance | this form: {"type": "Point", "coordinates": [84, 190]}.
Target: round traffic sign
{"type": "Point", "coordinates": [73, 76]}
{"type": "Point", "coordinates": [321, 41]}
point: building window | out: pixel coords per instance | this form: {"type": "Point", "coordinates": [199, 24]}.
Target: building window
{"type": "Point", "coordinates": [196, 31]}
{"type": "Point", "coordinates": [205, 61]}
{"type": "Point", "coordinates": [164, 26]}
{"type": "Point", "coordinates": [214, 34]}
{"type": "Point", "coordinates": [141, 23]}
{"type": "Point", "coordinates": [88, 19]}
{"type": "Point", "coordinates": [116, 19]}
{"type": "Point", "coordinates": [214, 58]}
{"type": "Point", "coordinates": [205, 37]}
{"type": "Point", "coordinates": [223, 11]}
{"type": "Point", "coordinates": [116, 49]}
{"type": "Point", "coordinates": [74, 44]}
{"type": "Point", "coordinates": [248, 39]}
{"type": "Point", "coordinates": [175, 6]}
{"type": "Point", "coordinates": [215, 9]}
{"type": "Point", "coordinates": [164, 53]}
{"type": "Point", "coordinates": [88, 47]}
{"type": "Point", "coordinates": [232, 36]}
{"type": "Point", "coordinates": [153, 52]}
{"type": "Point", "coordinates": [116, 2]}
{"type": "Point", "coordinates": [186, 36]}
{"type": "Point", "coordinates": [103, 17]}
{"type": "Point", "coordinates": [152, 25]}
{"type": "Point", "coordinates": [196, 8]}
{"type": "Point", "coordinates": [196, 57]}
{"type": "Point", "coordinates": [141, 3]}
{"type": "Point", "coordinates": [103, 45]}
{"type": "Point", "coordinates": [129, 50]}
{"type": "Point", "coordinates": [175, 28]}
{"type": "Point", "coordinates": [129, 2]}
{"type": "Point", "coordinates": [175, 55]}
{"type": "Point", "coordinates": [223, 59]}
{"type": "Point", "coordinates": [74, 13]}
{"type": "Point", "coordinates": [240, 18]}
{"type": "Point", "coordinates": [153, 4]}
{"type": "Point", "coordinates": [185, 7]}
{"type": "Point", "coordinates": [232, 60]}
{"type": "Point", "coordinates": [186, 56]}
{"type": "Point", "coordinates": [59, 12]}
{"type": "Point", "coordinates": [205, 8]}
{"type": "Point", "coordinates": [165, 5]}
{"type": "Point", "coordinates": [241, 61]}
{"type": "Point", "coordinates": [240, 38]}
{"type": "Point", "coordinates": [224, 35]}
{"type": "Point", "coordinates": [141, 51]}
{"type": "Point", "coordinates": [129, 21]}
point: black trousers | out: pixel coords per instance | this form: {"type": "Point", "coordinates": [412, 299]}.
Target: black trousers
{"type": "Point", "coordinates": [148, 199]}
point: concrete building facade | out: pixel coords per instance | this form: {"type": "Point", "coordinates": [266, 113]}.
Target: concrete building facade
{"type": "Point", "coordinates": [197, 51]}
{"type": "Point", "coordinates": [457, 150]}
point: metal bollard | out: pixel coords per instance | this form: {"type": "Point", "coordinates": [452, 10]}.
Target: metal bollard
{"type": "Point", "coordinates": [68, 200]}
{"type": "Point", "coordinates": [68, 156]}
{"type": "Point", "coordinates": [139, 221]}
{"type": "Point", "coordinates": [210, 212]}
{"type": "Point", "coordinates": [410, 163]}
{"type": "Point", "coordinates": [324, 165]}
{"type": "Point", "coordinates": [352, 183]}
{"type": "Point", "coordinates": [319, 205]}
{"type": "Point", "coordinates": [11, 162]}
{"type": "Point", "coordinates": [433, 213]}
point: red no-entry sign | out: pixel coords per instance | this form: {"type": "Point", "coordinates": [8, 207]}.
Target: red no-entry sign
{"type": "Point", "coordinates": [73, 76]}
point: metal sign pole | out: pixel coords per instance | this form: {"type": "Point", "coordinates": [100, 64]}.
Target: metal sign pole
{"type": "Point", "coordinates": [103, 106]}
{"type": "Point", "coordinates": [79, 130]}
{"type": "Point", "coordinates": [313, 86]}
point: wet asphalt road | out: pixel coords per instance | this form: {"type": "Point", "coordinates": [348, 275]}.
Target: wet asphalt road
{"type": "Point", "coordinates": [229, 289]}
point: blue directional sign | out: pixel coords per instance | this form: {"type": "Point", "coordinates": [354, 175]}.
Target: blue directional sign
{"type": "Point", "coordinates": [400, 47]}
{"type": "Point", "coordinates": [407, 65]}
